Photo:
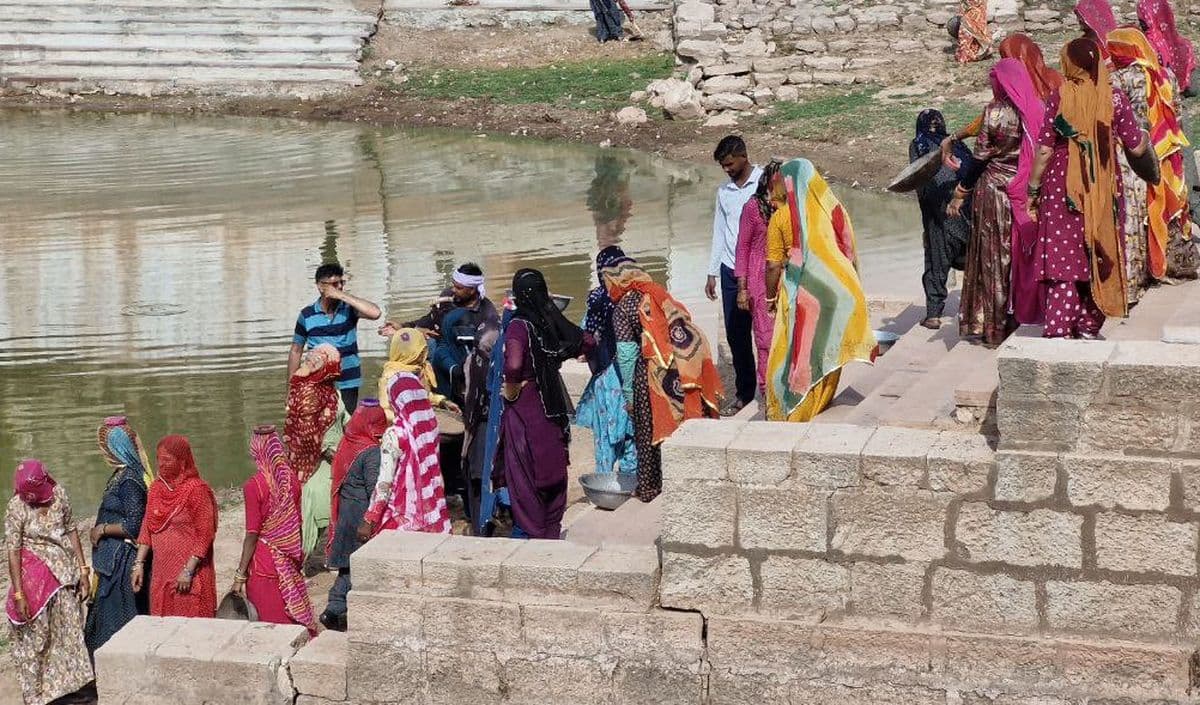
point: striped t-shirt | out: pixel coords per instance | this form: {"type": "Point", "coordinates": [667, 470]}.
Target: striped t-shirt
{"type": "Point", "coordinates": [340, 329]}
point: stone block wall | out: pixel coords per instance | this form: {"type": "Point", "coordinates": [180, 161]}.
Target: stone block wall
{"type": "Point", "coordinates": [742, 53]}
{"type": "Point", "coordinates": [917, 552]}
{"type": "Point", "coordinates": [437, 619]}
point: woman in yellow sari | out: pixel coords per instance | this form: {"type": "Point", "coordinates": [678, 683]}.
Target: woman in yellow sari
{"type": "Point", "coordinates": [408, 351]}
{"type": "Point", "coordinates": [821, 320]}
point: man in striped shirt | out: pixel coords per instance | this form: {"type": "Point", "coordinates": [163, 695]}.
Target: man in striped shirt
{"type": "Point", "coordinates": [333, 318]}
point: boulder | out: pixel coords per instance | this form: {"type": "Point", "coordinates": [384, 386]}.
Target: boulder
{"type": "Point", "coordinates": [726, 84]}
{"type": "Point", "coordinates": [777, 64]}
{"type": "Point", "coordinates": [770, 80]}
{"type": "Point", "coordinates": [790, 93]}
{"type": "Point", "coordinates": [631, 115]}
{"type": "Point", "coordinates": [825, 63]}
{"type": "Point", "coordinates": [694, 12]}
{"type": "Point", "coordinates": [699, 50]}
{"type": "Point", "coordinates": [832, 78]}
{"type": "Point", "coordinates": [761, 95]}
{"type": "Point", "coordinates": [721, 120]}
{"type": "Point", "coordinates": [682, 101]}
{"type": "Point", "coordinates": [751, 48]}
{"type": "Point", "coordinates": [727, 101]}
{"type": "Point", "coordinates": [695, 75]}
{"type": "Point", "coordinates": [726, 69]}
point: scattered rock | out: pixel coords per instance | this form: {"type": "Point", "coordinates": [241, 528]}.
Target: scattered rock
{"type": "Point", "coordinates": [721, 120]}
{"type": "Point", "coordinates": [632, 115]}
{"type": "Point", "coordinates": [695, 12]}
{"type": "Point", "coordinates": [727, 101]}
{"type": "Point", "coordinates": [637, 96]}
{"type": "Point", "coordinates": [789, 93]}
{"type": "Point", "coordinates": [699, 50]}
{"type": "Point", "coordinates": [726, 69]}
{"type": "Point", "coordinates": [726, 84]}
{"type": "Point", "coordinates": [678, 99]}
{"type": "Point", "coordinates": [391, 64]}
{"type": "Point", "coordinates": [770, 80]}
{"type": "Point", "coordinates": [695, 75]}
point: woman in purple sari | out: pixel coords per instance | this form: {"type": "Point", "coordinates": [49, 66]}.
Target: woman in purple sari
{"type": "Point", "coordinates": [535, 427]}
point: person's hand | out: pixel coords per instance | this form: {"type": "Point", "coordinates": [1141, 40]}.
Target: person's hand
{"type": "Point", "coordinates": [452, 407]}
{"type": "Point", "coordinates": [388, 329]}
{"type": "Point", "coordinates": [135, 579]}
{"type": "Point", "coordinates": [430, 333]}
{"type": "Point", "coordinates": [238, 588]}
{"type": "Point", "coordinates": [743, 300]}
{"type": "Point", "coordinates": [954, 208]}
{"type": "Point", "coordinates": [365, 531]}
{"type": "Point", "coordinates": [85, 582]}
{"type": "Point", "coordinates": [183, 584]}
{"type": "Point", "coordinates": [710, 288]}
{"type": "Point", "coordinates": [330, 291]}
{"type": "Point", "coordinates": [1031, 208]}
{"type": "Point", "coordinates": [771, 305]}
{"type": "Point", "coordinates": [22, 607]}
{"type": "Point", "coordinates": [96, 534]}
{"type": "Point", "coordinates": [948, 159]}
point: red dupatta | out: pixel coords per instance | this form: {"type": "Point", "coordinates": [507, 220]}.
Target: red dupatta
{"type": "Point", "coordinates": [312, 406]}
{"type": "Point", "coordinates": [280, 530]}
{"type": "Point", "coordinates": [178, 485]}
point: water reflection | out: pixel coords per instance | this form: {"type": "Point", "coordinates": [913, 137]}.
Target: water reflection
{"type": "Point", "coordinates": [155, 265]}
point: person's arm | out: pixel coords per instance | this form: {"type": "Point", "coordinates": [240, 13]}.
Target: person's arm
{"type": "Point", "coordinates": [205, 525]}
{"type": "Point", "coordinates": [85, 570]}
{"type": "Point", "coordinates": [625, 326]}
{"type": "Point", "coordinates": [13, 536]}
{"type": "Point", "coordinates": [741, 262]}
{"type": "Point", "coordinates": [1040, 159]}
{"type": "Point", "coordinates": [714, 257]}
{"type": "Point", "coordinates": [299, 338]}
{"type": "Point", "coordinates": [137, 575]}
{"type": "Point", "coordinates": [389, 459]}
{"type": "Point", "coordinates": [778, 235]}
{"type": "Point", "coordinates": [971, 130]}
{"type": "Point", "coordinates": [253, 510]}
{"type": "Point", "coordinates": [365, 309]}
{"type": "Point", "coordinates": [514, 361]}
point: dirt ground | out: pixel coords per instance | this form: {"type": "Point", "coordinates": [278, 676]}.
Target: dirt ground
{"type": "Point", "coordinates": [381, 100]}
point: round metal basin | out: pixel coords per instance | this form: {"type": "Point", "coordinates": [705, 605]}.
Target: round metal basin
{"type": "Point", "coordinates": [608, 490]}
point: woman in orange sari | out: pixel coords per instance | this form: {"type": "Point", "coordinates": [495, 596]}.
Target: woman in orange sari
{"type": "Point", "coordinates": [180, 526]}
{"type": "Point", "coordinates": [974, 38]}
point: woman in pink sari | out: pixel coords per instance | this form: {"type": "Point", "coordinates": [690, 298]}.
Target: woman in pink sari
{"type": "Point", "coordinates": [750, 265]}
{"type": "Point", "coordinates": [1175, 51]}
{"type": "Point", "coordinates": [270, 572]}
{"type": "Point", "coordinates": [49, 581]}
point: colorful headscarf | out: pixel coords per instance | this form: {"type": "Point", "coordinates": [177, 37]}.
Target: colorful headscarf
{"type": "Point", "coordinates": [410, 495]}
{"type": "Point", "coordinates": [1166, 200]}
{"type": "Point", "coordinates": [1022, 48]}
{"type": "Point", "coordinates": [312, 407]}
{"type": "Point", "coordinates": [408, 351]}
{"type": "Point", "coordinates": [683, 380]}
{"type": "Point", "coordinates": [280, 530]}
{"type": "Point", "coordinates": [974, 37]}
{"type": "Point", "coordinates": [32, 483]}
{"type": "Point", "coordinates": [1085, 120]}
{"type": "Point", "coordinates": [600, 306]}
{"type": "Point", "coordinates": [121, 448]}
{"type": "Point", "coordinates": [1096, 17]}
{"type": "Point", "coordinates": [178, 485]}
{"type": "Point", "coordinates": [1174, 50]}
{"type": "Point", "coordinates": [364, 430]}
{"type": "Point", "coordinates": [1011, 82]}
{"type": "Point", "coordinates": [821, 322]}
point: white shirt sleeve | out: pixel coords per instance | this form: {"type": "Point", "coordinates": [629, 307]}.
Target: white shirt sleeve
{"type": "Point", "coordinates": [718, 239]}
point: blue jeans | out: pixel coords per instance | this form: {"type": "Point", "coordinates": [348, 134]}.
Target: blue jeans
{"type": "Point", "coordinates": [337, 593]}
{"type": "Point", "coordinates": [739, 332]}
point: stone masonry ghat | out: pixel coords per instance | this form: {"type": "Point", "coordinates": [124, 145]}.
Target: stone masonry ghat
{"type": "Point", "coordinates": [816, 564]}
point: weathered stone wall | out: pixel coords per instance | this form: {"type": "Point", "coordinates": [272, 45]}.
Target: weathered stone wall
{"type": "Point", "coordinates": [750, 52]}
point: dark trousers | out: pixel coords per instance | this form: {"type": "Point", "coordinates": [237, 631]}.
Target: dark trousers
{"type": "Point", "coordinates": [739, 335]}
{"type": "Point", "coordinates": [349, 398]}
{"type": "Point", "coordinates": [337, 593]}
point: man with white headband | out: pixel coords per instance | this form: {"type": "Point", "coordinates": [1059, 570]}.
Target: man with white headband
{"type": "Point", "coordinates": [456, 314]}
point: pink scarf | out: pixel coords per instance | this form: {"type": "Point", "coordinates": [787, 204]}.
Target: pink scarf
{"type": "Point", "coordinates": [1097, 16]}
{"type": "Point", "coordinates": [33, 484]}
{"type": "Point", "coordinates": [39, 585]}
{"type": "Point", "coordinates": [280, 530]}
{"type": "Point", "coordinates": [416, 500]}
{"type": "Point", "coordinates": [1011, 82]}
{"type": "Point", "coordinates": [1174, 50]}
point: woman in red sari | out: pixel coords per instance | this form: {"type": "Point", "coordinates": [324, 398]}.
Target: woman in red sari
{"type": "Point", "coordinates": [270, 574]}
{"type": "Point", "coordinates": [312, 407]}
{"type": "Point", "coordinates": [974, 38]}
{"type": "Point", "coordinates": [180, 525]}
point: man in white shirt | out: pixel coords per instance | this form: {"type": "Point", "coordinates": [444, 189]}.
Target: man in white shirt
{"type": "Point", "coordinates": [731, 197]}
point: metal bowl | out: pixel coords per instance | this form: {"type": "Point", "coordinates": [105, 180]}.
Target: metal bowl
{"type": "Point", "coordinates": [608, 490]}
{"type": "Point", "coordinates": [885, 340]}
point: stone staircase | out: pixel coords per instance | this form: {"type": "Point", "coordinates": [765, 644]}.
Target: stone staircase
{"type": "Point", "coordinates": [145, 47]}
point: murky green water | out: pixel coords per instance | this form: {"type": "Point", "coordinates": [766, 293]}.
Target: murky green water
{"type": "Point", "coordinates": [154, 265]}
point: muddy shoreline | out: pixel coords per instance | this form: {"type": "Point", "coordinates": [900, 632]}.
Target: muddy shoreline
{"type": "Point", "coordinates": [384, 107]}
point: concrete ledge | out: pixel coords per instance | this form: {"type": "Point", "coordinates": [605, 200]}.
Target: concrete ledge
{"type": "Point", "coordinates": [318, 670]}
{"type": "Point", "coordinates": [533, 572]}
{"type": "Point", "coordinates": [199, 661]}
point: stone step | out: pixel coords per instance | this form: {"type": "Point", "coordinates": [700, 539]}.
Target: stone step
{"type": "Point", "coordinates": [176, 15]}
{"type": "Point", "coordinates": [1183, 326]}
{"type": "Point", "coordinates": [14, 59]}
{"type": "Point", "coordinates": [225, 42]}
{"type": "Point", "coordinates": [931, 402]}
{"type": "Point", "coordinates": [192, 75]}
{"type": "Point", "coordinates": [526, 5]}
{"type": "Point", "coordinates": [202, 5]}
{"type": "Point", "coordinates": [634, 523]}
{"type": "Point", "coordinates": [228, 28]}
{"type": "Point", "coordinates": [1147, 320]}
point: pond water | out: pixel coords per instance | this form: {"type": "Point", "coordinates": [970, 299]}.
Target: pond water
{"type": "Point", "coordinates": [154, 265]}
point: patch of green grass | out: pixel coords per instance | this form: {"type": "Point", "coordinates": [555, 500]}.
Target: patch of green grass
{"type": "Point", "coordinates": [591, 84]}
{"type": "Point", "coordinates": [833, 115]}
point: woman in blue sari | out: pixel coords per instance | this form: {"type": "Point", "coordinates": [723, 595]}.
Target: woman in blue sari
{"type": "Point", "coordinates": [118, 523]}
{"type": "Point", "coordinates": [602, 406]}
